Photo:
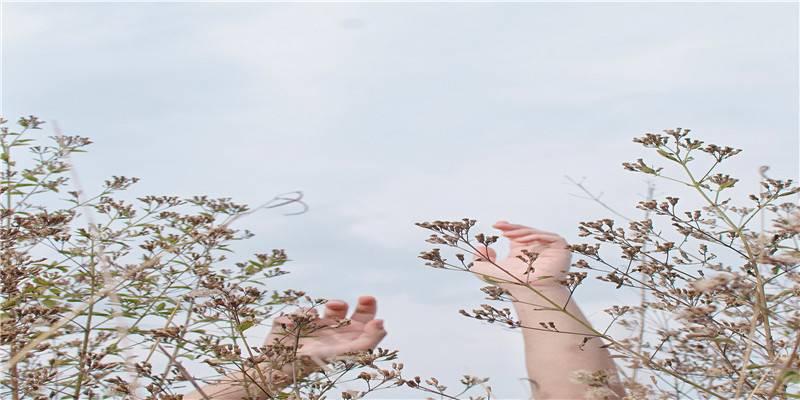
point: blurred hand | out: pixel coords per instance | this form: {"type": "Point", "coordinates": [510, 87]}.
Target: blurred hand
{"type": "Point", "coordinates": [364, 332]}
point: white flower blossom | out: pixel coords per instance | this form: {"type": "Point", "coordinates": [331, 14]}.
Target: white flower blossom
{"type": "Point", "coordinates": [708, 284]}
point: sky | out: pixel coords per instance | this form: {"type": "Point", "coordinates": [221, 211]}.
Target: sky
{"type": "Point", "coordinates": [386, 114]}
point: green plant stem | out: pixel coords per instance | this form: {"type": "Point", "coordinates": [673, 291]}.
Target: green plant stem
{"type": "Point", "coordinates": [643, 292]}
{"type": "Point", "coordinates": [760, 309]}
{"type": "Point", "coordinates": [58, 325]}
{"type": "Point", "coordinates": [295, 369]}
{"type": "Point", "coordinates": [597, 333]}
{"type": "Point", "coordinates": [757, 211]}
{"type": "Point", "coordinates": [158, 339]}
{"type": "Point", "coordinates": [14, 382]}
{"type": "Point", "coordinates": [81, 365]}
{"type": "Point", "coordinates": [86, 330]}
{"type": "Point", "coordinates": [786, 367]}
{"type": "Point", "coordinates": [67, 319]}
{"type": "Point", "coordinates": [185, 373]}
{"type": "Point", "coordinates": [746, 359]}
{"type": "Point", "coordinates": [33, 190]}
{"type": "Point", "coordinates": [13, 371]}
{"type": "Point", "coordinates": [260, 373]}
{"type": "Point", "coordinates": [761, 298]}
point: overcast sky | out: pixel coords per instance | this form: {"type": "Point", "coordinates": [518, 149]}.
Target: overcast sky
{"type": "Point", "coordinates": [384, 114]}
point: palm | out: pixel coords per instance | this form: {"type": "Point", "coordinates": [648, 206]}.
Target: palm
{"type": "Point", "coordinates": [328, 342]}
{"type": "Point", "coordinates": [362, 333]}
{"type": "Point", "coordinates": [550, 266]}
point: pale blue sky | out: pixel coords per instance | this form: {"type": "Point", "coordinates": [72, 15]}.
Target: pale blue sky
{"type": "Point", "coordinates": [384, 114]}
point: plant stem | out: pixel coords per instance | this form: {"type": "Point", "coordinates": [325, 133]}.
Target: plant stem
{"type": "Point", "coordinates": [643, 292]}
{"type": "Point", "coordinates": [82, 355]}
{"type": "Point", "coordinates": [613, 342]}
{"type": "Point", "coordinates": [260, 373]}
{"type": "Point", "coordinates": [760, 308]}
{"type": "Point", "coordinates": [296, 346]}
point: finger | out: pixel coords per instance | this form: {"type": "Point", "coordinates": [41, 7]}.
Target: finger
{"type": "Point", "coordinates": [287, 320]}
{"type": "Point", "coordinates": [484, 253]}
{"type": "Point", "coordinates": [526, 231]}
{"type": "Point", "coordinates": [526, 236]}
{"type": "Point", "coordinates": [536, 237]}
{"type": "Point", "coordinates": [279, 330]}
{"type": "Point", "coordinates": [365, 309]}
{"type": "Point", "coordinates": [507, 226]}
{"type": "Point", "coordinates": [372, 335]}
{"type": "Point", "coordinates": [335, 309]}
{"type": "Point", "coordinates": [281, 324]}
{"type": "Point", "coordinates": [305, 310]}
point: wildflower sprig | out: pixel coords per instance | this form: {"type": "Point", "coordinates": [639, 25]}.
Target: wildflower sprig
{"type": "Point", "coordinates": [730, 310]}
{"type": "Point", "coordinates": [456, 234]}
{"type": "Point", "coordinates": [718, 314]}
{"type": "Point", "coordinates": [113, 299]}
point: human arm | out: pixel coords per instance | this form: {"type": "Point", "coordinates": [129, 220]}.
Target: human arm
{"type": "Point", "coordinates": [362, 333]}
{"type": "Point", "coordinates": [551, 357]}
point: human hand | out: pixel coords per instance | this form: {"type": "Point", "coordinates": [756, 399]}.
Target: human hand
{"type": "Point", "coordinates": [364, 331]}
{"type": "Point", "coordinates": [550, 266]}
{"type": "Point", "coordinates": [325, 339]}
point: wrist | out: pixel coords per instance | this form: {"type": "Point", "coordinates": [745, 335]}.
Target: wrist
{"type": "Point", "coordinates": [301, 367]}
{"type": "Point", "coordinates": [537, 294]}
{"type": "Point", "coordinates": [273, 378]}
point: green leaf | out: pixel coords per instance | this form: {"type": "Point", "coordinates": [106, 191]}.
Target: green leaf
{"type": "Point", "coordinates": [666, 155]}
{"type": "Point", "coordinates": [791, 377]}
{"type": "Point", "coordinates": [544, 277]}
{"type": "Point", "coordinates": [723, 340]}
{"type": "Point", "coordinates": [727, 184]}
{"type": "Point", "coordinates": [30, 177]}
{"type": "Point", "coordinates": [244, 326]}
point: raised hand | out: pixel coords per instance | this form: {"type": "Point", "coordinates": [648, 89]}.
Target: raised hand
{"type": "Point", "coordinates": [554, 329]}
{"type": "Point", "coordinates": [364, 331]}
{"type": "Point", "coordinates": [550, 266]}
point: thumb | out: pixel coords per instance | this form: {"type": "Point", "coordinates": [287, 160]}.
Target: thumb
{"type": "Point", "coordinates": [484, 254]}
{"type": "Point", "coordinates": [483, 263]}
{"type": "Point", "coordinates": [370, 337]}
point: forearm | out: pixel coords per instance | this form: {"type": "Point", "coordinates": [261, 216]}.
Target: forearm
{"type": "Point", "coordinates": [314, 343]}
{"type": "Point", "coordinates": [564, 344]}
{"type": "Point", "coordinates": [232, 387]}
{"type": "Point", "coordinates": [252, 384]}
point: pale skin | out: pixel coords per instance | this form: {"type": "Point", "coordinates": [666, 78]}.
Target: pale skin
{"type": "Point", "coordinates": [364, 332]}
{"type": "Point", "coordinates": [551, 357]}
